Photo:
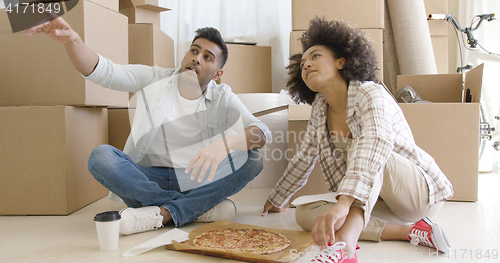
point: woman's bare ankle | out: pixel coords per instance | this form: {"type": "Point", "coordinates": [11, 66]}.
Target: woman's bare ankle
{"type": "Point", "coordinates": [395, 232]}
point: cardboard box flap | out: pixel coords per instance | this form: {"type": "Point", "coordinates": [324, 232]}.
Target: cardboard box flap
{"type": "Point", "coordinates": [269, 111]}
{"type": "Point", "coordinates": [299, 112]}
{"type": "Point", "coordinates": [474, 82]}
{"type": "Point", "coordinates": [441, 88]}
{"type": "Point", "coordinates": [144, 2]}
{"type": "Point", "coordinates": [152, 5]}
{"type": "Point", "coordinates": [154, 8]}
{"type": "Point", "coordinates": [434, 87]}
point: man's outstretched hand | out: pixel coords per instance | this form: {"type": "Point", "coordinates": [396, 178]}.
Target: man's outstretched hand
{"type": "Point", "coordinates": [57, 29]}
{"type": "Point", "coordinates": [82, 57]}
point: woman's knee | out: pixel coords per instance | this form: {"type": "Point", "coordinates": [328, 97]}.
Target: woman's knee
{"type": "Point", "coordinates": [304, 218]}
{"type": "Point", "coordinates": [306, 214]}
{"type": "Point", "coordinates": [390, 167]}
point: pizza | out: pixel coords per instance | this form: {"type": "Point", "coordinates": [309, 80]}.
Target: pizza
{"type": "Point", "coordinates": [257, 241]}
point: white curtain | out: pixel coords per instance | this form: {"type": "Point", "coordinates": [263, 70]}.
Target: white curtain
{"type": "Point", "coordinates": [266, 22]}
{"type": "Point", "coordinates": [488, 36]}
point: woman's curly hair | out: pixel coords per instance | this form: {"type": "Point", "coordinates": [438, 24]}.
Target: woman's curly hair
{"type": "Point", "coordinates": [344, 41]}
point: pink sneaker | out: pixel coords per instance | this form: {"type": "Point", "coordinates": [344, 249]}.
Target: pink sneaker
{"type": "Point", "coordinates": [335, 254]}
{"type": "Point", "coordinates": [427, 233]}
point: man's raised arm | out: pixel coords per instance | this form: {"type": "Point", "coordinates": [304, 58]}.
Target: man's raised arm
{"type": "Point", "coordinates": [83, 58]}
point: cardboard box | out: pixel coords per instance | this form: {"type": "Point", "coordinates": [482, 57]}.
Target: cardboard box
{"type": "Point", "coordinates": [440, 47]}
{"type": "Point", "coordinates": [376, 37]}
{"type": "Point", "coordinates": [437, 27]}
{"type": "Point", "coordinates": [248, 69]}
{"type": "Point", "coordinates": [142, 11]}
{"type": "Point", "coordinates": [110, 4]}
{"type": "Point", "coordinates": [447, 129]}
{"type": "Point", "coordinates": [37, 70]}
{"type": "Point", "coordinates": [149, 45]}
{"type": "Point", "coordinates": [361, 13]}
{"type": "Point", "coordinates": [141, 15]}
{"type": "Point", "coordinates": [137, 3]}
{"type": "Point", "coordinates": [44, 158]}
{"type": "Point", "coordinates": [119, 121]}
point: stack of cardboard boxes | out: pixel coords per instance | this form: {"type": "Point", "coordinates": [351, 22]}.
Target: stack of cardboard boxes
{"type": "Point", "coordinates": [148, 45]}
{"type": "Point", "coordinates": [51, 117]}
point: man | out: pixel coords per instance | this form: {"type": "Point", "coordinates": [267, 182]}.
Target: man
{"type": "Point", "coordinates": [186, 128]}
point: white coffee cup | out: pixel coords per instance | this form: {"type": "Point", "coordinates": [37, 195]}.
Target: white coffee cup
{"type": "Point", "coordinates": [108, 229]}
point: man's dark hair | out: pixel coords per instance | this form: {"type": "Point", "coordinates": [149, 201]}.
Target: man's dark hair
{"type": "Point", "coordinates": [344, 41]}
{"type": "Point", "coordinates": [213, 35]}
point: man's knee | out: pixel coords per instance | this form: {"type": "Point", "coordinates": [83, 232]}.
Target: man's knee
{"type": "Point", "coordinates": [254, 164]}
{"type": "Point", "coordinates": [256, 159]}
{"type": "Point", "coordinates": [99, 157]}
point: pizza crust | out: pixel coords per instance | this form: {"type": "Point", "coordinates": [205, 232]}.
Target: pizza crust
{"type": "Point", "coordinates": [257, 241]}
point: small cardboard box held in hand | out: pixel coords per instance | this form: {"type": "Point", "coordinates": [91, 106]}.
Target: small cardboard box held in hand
{"type": "Point", "coordinates": [44, 158]}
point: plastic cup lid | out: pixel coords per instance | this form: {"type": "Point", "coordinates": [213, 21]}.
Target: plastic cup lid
{"type": "Point", "coordinates": [107, 216]}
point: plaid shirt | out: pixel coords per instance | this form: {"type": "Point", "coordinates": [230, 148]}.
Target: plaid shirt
{"type": "Point", "coordinates": [378, 124]}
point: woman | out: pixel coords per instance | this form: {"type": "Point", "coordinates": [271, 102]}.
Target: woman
{"type": "Point", "coordinates": [360, 138]}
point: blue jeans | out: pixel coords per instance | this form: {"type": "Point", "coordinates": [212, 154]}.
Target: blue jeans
{"type": "Point", "coordinates": [140, 186]}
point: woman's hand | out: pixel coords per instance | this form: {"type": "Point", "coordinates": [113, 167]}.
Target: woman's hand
{"type": "Point", "coordinates": [325, 226]}
{"type": "Point", "coordinates": [268, 207]}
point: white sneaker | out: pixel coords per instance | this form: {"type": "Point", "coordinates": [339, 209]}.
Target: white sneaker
{"type": "Point", "coordinates": [225, 210]}
{"type": "Point", "coordinates": [136, 220]}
